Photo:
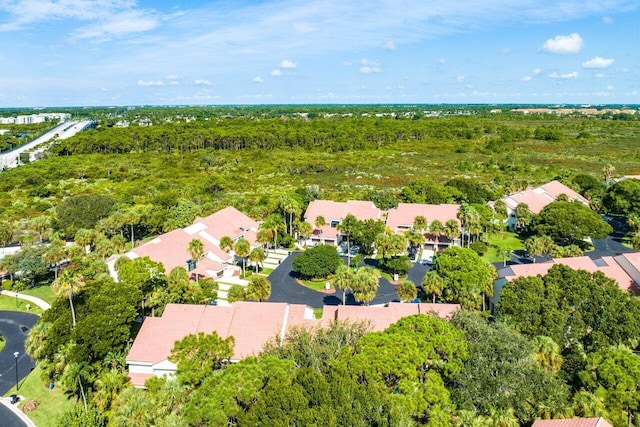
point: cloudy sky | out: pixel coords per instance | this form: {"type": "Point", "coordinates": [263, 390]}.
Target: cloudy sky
{"type": "Point", "coordinates": [128, 52]}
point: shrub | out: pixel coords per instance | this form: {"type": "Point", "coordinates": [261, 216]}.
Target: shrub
{"type": "Point", "coordinates": [317, 262]}
{"type": "Point", "coordinates": [479, 247]}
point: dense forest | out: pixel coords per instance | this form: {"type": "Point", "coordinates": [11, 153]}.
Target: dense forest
{"type": "Point", "coordinates": [558, 346]}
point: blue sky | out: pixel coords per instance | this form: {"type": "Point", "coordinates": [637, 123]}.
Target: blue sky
{"type": "Point", "coordinates": [128, 52]}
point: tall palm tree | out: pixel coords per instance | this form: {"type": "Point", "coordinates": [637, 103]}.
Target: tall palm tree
{"type": "Point", "coordinates": [305, 230]}
{"type": "Point", "coordinates": [68, 284]}
{"type": "Point", "coordinates": [420, 223]}
{"type": "Point", "coordinates": [343, 279]}
{"type": "Point", "coordinates": [75, 376]}
{"type": "Point", "coordinates": [242, 248]}
{"type": "Point", "coordinates": [55, 253]}
{"type": "Point", "coordinates": [436, 228]}
{"type": "Point", "coordinates": [84, 238]}
{"type": "Point", "coordinates": [290, 206]}
{"type": "Point", "coordinates": [196, 250]}
{"type": "Point", "coordinates": [433, 284]}
{"type": "Point", "coordinates": [451, 230]}
{"type": "Point", "coordinates": [607, 172]}
{"type": "Point", "coordinates": [258, 289]}
{"type": "Point", "coordinates": [257, 256]}
{"type": "Point", "coordinates": [274, 223]}
{"type": "Point", "coordinates": [546, 353]}
{"type": "Point", "coordinates": [40, 225]}
{"type": "Point", "coordinates": [346, 227]}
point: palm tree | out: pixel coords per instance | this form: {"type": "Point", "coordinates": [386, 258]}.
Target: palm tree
{"type": "Point", "coordinates": [407, 290]}
{"type": "Point", "coordinates": [68, 284]}
{"type": "Point", "coordinates": [346, 227]}
{"type": "Point", "coordinates": [451, 230]}
{"type": "Point", "coordinates": [131, 217]}
{"type": "Point", "coordinates": [436, 228]}
{"type": "Point", "coordinates": [84, 238]}
{"type": "Point", "coordinates": [419, 223]}
{"type": "Point", "coordinates": [74, 377]}
{"type": "Point", "coordinates": [6, 232]}
{"type": "Point", "coordinates": [365, 285]}
{"type": "Point", "coordinates": [226, 243]}
{"type": "Point", "coordinates": [343, 279]}
{"type": "Point", "coordinates": [533, 246]}
{"type": "Point", "coordinates": [546, 353]}
{"type": "Point", "coordinates": [196, 250]}
{"type": "Point", "coordinates": [290, 206]}
{"type": "Point", "coordinates": [320, 222]}
{"type": "Point", "coordinates": [257, 256]}
{"type": "Point", "coordinates": [433, 284]}
{"type": "Point", "coordinates": [55, 253]}
{"type": "Point", "coordinates": [607, 172]}
{"type": "Point", "coordinates": [274, 223]}
{"type": "Point", "coordinates": [40, 225]}
{"type": "Point", "coordinates": [242, 248]}
{"type": "Point", "coordinates": [258, 289]}
{"type": "Point", "coordinates": [305, 230]}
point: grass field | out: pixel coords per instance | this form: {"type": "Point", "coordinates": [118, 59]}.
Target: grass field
{"type": "Point", "coordinates": [500, 243]}
{"type": "Point", "coordinates": [51, 402]}
{"type": "Point", "coordinates": [11, 304]}
{"type": "Point", "coordinates": [316, 285]}
{"type": "Point", "coordinates": [43, 292]}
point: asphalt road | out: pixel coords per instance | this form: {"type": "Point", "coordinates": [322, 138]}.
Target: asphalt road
{"type": "Point", "coordinates": [9, 419]}
{"type": "Point", "coordinates": [284, 287]}
{"type": "Point", "coordinates": [14, 327]}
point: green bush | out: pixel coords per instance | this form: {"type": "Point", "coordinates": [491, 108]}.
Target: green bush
{"type": "Point", "coordinates": [479, 247]}
{"type": "Point", "coordinates": [317, 262]}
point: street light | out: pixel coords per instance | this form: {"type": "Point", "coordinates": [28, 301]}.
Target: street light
{"type": "Point", "coordinates": [17, 383]}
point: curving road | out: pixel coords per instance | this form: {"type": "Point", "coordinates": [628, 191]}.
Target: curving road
{"type": "Point", "coordinates": [14, 327]}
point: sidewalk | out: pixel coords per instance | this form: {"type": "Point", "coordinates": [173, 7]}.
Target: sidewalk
{"type": "Point", "coordinates": [37, 301]}
{"type": "Point", "coordinates": [17, 412]}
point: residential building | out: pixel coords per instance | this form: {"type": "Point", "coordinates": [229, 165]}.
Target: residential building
{"type": "Point", "coordinates": [252, 325]}
{"type": "Point", "coordinates": [573, 422]}
{"type": "Point", "coordinates": [624, 269]}
{"type": "Point", "coordinates": [402, 218]}
{"type": "Point", "coordinates": [333, 214]}
{"type": "Point", "coordinates": [171, 249]}
{"type": "Point", "coordinates": [537, 198]}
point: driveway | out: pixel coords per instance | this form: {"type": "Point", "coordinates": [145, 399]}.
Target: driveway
{"type": "Point", "coordinates": [14, 327]}
{"type": "Point", "coordinates": [612, 244]}
{"type": "Point", "coordinates": [284, 287]}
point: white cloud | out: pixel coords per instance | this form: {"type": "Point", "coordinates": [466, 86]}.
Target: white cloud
{"type": "Point", "coordinates": [258, 79]}
{"type": "Point", "coordinates": [150, 83]}
{"type": "Point", "coordinates": [598, 62]}
{"type": "Point", "coordinates": [201, 82]}
{"type": "Point", "coordinates": [600, 75]}
{"type": "Point", "coordinates": [370, 67]}
{"type": "Point", "coordinates": [572, 43]}
{"type": "Point", "coordinates": [288, 64]}
{"type": "Point", "coordinates": [526, 79]}
{"type": "Point", "coordinates": [347, 63]}
{"type": "Point", "coordinates": [442, 61]}
{"type": "Point", "coordinates": [537, 71]}
{"type": "Point", "coordinates": [172, 77]}
{"type": "Point", "coordinates": [571, 75]}
{"type": "Point", "coordinates": [276, 72]}
{"type": "Point", "coordinates": [460, 79]}
{"type": "Point", "coordinates": [608, 20]}
{"type": "Point", "coordinates": [390, 45]}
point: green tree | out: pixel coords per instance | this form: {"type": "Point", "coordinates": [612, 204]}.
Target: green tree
{"type": "Point", "coordinates": [55, 254]}
{"type": "Point", "coordinates": [258, 289]}
{"type": "Point", "coordinates": [344, 279]}
{"type": "Point", "coordinates": [451, 230]}
{"type": "Point", "coordinates": [365, 284]}
{"type": "Point", "coordinates": [290, 206]}
{"type": "Point", "coordinates": [623, 198]}
{"type": "Point", "coordinates": [67, 284]}
{"type": "Point", "coordinates": [305, 230]}
{"type": "Point", "coordinates": [82, 211]}
{"type": "Point", "coordinates": [242, 248]}
{"type": "Point", "coordinates": [6, 233]}
{"type": "Point", "coordinates": [257, 256]}
{"type": "Point", "coordinates": [436, 228]}
{"type": "Point", "coordinates": [236, 293]}
{"type": "Point", "coordinates": [407, 290]}
{"type": "Point", "coordinates": [198, 356]}
{"type": "Point", "coordinates": [433, 284]}
{"type": "Point", "coordinates": [196, 250]}
{"type": "Point", "coordinates": [467, 278]}
{"type": "Point", "coordinates": [347, 227]}
{"type": "Point", "coordinates": [40, 225]}
{"type": "Point", "coordinates": [226, 243]}
{"type": "Point", "coordinates": [570, 222]}
{"type": "Point", "coordinates": [318, 262]}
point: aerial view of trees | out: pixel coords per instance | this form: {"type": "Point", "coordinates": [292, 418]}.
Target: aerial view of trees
{"type": "Point", "coordinates": [559, 345]}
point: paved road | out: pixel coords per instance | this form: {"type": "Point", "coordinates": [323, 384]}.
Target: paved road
{"type": "Point", "coordinates": [14, 327]}
{"type": "Point", "coordinates": [62, 131]}
{"type": "Point", "coordinates": [612, 244]}
{"type": "Point", "coordinates": [284, 287]}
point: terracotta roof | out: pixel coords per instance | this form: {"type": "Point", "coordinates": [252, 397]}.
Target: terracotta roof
{"type": "Point", "coordinates": [617, 268]}
{"type": "Point", "coordinates": [406, 213]}
{"type": "Point", "coordinates": [574, 422]}
{"type": "Point", "coordinates": [537, 198]}
{"type": "Point", "coordinates": [228, 222]}
{"type": "Point", "coordinates": [336, 211]}
{"type": "Point", "coordinates": [253, 324]}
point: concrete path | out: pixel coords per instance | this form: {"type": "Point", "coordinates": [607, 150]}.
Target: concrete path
{"type": "Point", "coordinates": [37, 301]}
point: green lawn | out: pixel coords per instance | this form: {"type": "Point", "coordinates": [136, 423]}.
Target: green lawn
{"type": "Point", "coordinates": [43, 292]}
{"type": "Point", "coordinates": [51, 402]}
{"type": "Point", "coordinates": [317, 285]}
{"type": "Point", "coordinates": [11, 304]}
{"type": "Point", "coordinates": [499, 243]}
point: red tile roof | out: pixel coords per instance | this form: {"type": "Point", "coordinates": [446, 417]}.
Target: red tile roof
{"type": "Point", "coordinates": [253, 324]}
{"type": "Point", "coordinates": [336, 211]}
{"type": "Point", "coordinates": [228, 222]}
{"type": "Point", "coordinates": [537, 198]}
{"type": "Point", "coordinates": [574, 422]}
{"type": "Point", "coordinates": [612, 267]}
{"type": "Point", "coordinates": [406, 213]}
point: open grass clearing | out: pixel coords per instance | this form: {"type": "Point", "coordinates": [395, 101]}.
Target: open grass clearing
{"type": "Point", "coordinates": [13, 304]}
{"type": "Point", "coordinates": [43, 292]}
{"type": "Point", "coordinates": [500, 246]}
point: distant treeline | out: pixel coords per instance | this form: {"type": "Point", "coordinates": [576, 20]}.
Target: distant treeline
{"type": "Point", "coordinates": [328, 134]}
